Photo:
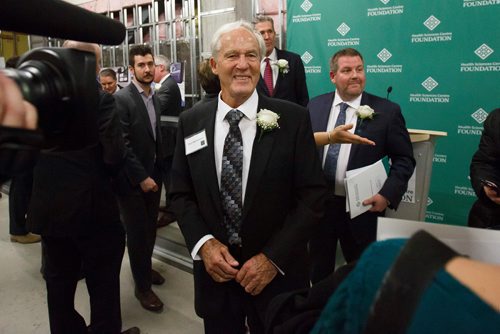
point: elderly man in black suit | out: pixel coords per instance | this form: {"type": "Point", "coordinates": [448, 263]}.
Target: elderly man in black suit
{"type": "Point", "coordinates": [387, 129]}
{"type": "Point", "coordinates": [282, 72]}
{"type": "Point", "coordinates": [247, 189]}
{"type": "Point", "coordinates": [168, 93]}
{"type": "Point", "coordinates": [139, 184]}
{"type": "Point", "coordinates": [74, 209]}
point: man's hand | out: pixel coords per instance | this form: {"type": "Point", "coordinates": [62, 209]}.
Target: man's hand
{"type": "Point", "coordinates": [342, 135]}
{"type": "Point", "coordinates": [14, 111]}
{"type": "Point", "coordinates": [492, 194]}
{"type": "Point", "coordinates": [148, 185]}
{"type": "Point", "coordinates": [219, 263]}
{"type": "Point", "coordinates": [256, 274]}
{"type": "Point", "coordinates": [378, 201]}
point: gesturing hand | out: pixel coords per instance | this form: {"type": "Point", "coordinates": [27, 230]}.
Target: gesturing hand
{"type": "Point", "coordinates": [219, 263]}
{"type": "Point", "coordinates": [256, 274]}
{"type": "Point", "coordinates": [378, 201]}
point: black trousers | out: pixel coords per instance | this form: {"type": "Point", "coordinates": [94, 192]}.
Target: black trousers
{"type": "Point", "coordinates": [100, 257]}
{"type": "Point", "coordinates": [139, 213]}
{"type": "Point", "coordinates": [323, 244]}
{"type": "Point", "coordinates": [240, 311]}
{"type": "Point", "coordinates": [19, 199]}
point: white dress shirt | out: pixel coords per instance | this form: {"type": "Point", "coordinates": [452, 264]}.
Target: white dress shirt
{"type": "Point", "coordinates": [345, 149]}
{"type": "Point", "coordinates": [248, 128]}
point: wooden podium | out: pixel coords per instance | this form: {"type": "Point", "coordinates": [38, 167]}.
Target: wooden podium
{"type": "Point", "coordinates": [414, 203]}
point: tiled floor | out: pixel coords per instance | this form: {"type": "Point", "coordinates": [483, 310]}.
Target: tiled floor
{"type": "Point", "coordinates": [23, 306]}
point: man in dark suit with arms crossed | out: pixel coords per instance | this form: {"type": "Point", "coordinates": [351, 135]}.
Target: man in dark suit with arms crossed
{"type": "Point", "coordinates": [388, 130]}
{"type": "Point", "coordinates": [279, 200]}
{"type": "Point", "coordinates": [139, 184]}
{"type": "Point", "coordinates": [288, 83]}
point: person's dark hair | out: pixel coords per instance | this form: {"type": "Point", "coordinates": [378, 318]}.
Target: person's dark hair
{"type": "Point", "coordinates": [208, 80]}
{"type": "Point", "coordinates": [108, 72]}
{"type": "Point", "coordinates": [263, 18]}
{"type": "Point", "coordinates": [12, 62]}
{"type": "Point", "coordinates": [138, 50]}
{"type": "Point", "coordinates": [350, 52]}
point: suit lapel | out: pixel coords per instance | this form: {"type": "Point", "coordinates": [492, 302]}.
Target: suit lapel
{"type": "Point", "coordinates": [207, 156]}
{"type": "Point", "coordinates": [280, 76]}
{"type": "Point", "coordinates": [322, 119]}
{"type": "Point", "coordinates": [261, 152]}
{"type": "Point", "coordinates": [359, 131]}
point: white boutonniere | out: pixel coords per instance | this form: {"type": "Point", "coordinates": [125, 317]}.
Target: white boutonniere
{"type": "Point", "coordinates": [283, 66]}
{"type": "Point", "coordinates": [267, 120]}
{"type": "Point", "coordinates": [157, 87]}
{"type": "Point", "coordinates": [365, 112]}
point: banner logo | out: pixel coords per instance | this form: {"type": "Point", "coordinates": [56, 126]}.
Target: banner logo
{"type": "Point", "coordinates": [483, 52]}
{"type": "Point", "coordinates": [464, 191]}
{"type": "Point", "coordinates": [306, 7]}
{"type": "Point", "coordinates": [429, 201]}
{"type": "Point", "coordinates": [384, 55]}
{"type": "Point", "coordinates": [306, 58]}
{"type": "Point", "coordinates": [430, 84]}
{"type": "Point", "coordinates": [431, 23]}
{"type": "Point", "coordinates": [480, 3]}
{"type": "Point", "coordinates": [383, 11]}
{"type": "Point", "coordinates": [479, 115]}
{"type": "Point", "coordinates": [343, 29]}
{"type": "Point", "coordinates": [440, 158]}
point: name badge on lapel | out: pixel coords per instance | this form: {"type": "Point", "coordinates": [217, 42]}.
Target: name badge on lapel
{"type": "Point", "coordinates": [195, 142]}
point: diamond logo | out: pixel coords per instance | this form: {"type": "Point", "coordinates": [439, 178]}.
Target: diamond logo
{"type": "Point", "coordinates": [429, 201]}
{"type": "Point", "coordinates": [484, 51]}
{"type": "Point", "coordinates": [432, 22]}
{"type": "Point", "coordinates": [479, 115]}
{"type": "Point", "coordinates": [385, 2]}
{"type": "Point", "coordinates": [384, 55]}
{"type": "Point", "coordinates": [343, 29]}
{"type": "Point", "coordinates": [306, 5]}
{"type": "Point", "coordinates": [430, 84]}
{"type": "Point", "coordinates": [306, 57]}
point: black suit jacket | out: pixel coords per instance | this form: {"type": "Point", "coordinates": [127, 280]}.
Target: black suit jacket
{"type": "Point", "coordinates": [145, 152]}
{"type": "Point", "coordinates": [486, 165]}
{"type": "Point", "coordinates": [388, 130]}
{"type": "Point", "coordinates": [169, 96]}
{"type": "Point", "coordinates": [289, 86]}
{"type": "Point", "coordinates": [283, 201]}
{"type": "Point", "coordinates": [72, 193]}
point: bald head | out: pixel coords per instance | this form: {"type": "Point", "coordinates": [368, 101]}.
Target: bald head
{"type": "Point", "coordinates": [89, 47]}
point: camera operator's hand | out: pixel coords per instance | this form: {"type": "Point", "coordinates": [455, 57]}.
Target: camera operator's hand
{"type": "Point", "coordinates": [14, 111]}
{"type": "Point", "coordinates": [148, 185]}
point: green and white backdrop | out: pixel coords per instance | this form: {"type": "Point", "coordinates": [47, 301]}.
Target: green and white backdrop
{"type": "Point", "coordinates": [442, 59]}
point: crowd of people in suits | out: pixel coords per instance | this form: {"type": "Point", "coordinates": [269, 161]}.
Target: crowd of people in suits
{"type": "Point", "coordinates": [255, 177]}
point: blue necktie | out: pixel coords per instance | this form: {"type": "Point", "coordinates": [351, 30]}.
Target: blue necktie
{"type": "Point", "coordinates": [332, 154]}
{"type": "Point", "coordinates": [231, 177]}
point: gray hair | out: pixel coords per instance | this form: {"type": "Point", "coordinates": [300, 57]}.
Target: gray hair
{"type": "Point", "coordinates": [162, 60]}
{"type": "Point", "coordinates": [215, 45]}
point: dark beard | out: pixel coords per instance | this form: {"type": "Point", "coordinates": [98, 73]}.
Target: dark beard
{"type": "Point", "coordinates": [144, 82]}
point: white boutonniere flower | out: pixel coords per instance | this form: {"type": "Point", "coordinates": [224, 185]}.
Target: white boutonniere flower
{"type": "Point", "coordinates": [267, 120]}
{"type": "Point", "coordinates": [282, 65]}
{"type": "Point", "coordinates": [157, 87]}
{"type": "Point", "coordinates": [365, 112]}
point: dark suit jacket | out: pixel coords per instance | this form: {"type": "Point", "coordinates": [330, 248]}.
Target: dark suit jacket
{"type": "Point", "coordinates": [169, 96]}
{"type": "Point", "coordinates": [388, 130]}
{"type": "Point", "coordinates": [289, 86]}
{"type": "Point", "coordinates": [486, 165]}
{"type": "Point", "coordinates": [72, 193]}
{"type": "Point", "coordinates": [145, 153]}
{"type": "Point", "coordinates": [284, 198]}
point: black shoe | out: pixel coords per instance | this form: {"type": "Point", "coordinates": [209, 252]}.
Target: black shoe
{"type": "Point", "coordinates": [149, 300]}
{"type": "Point", "coordinates": [156, 278]}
